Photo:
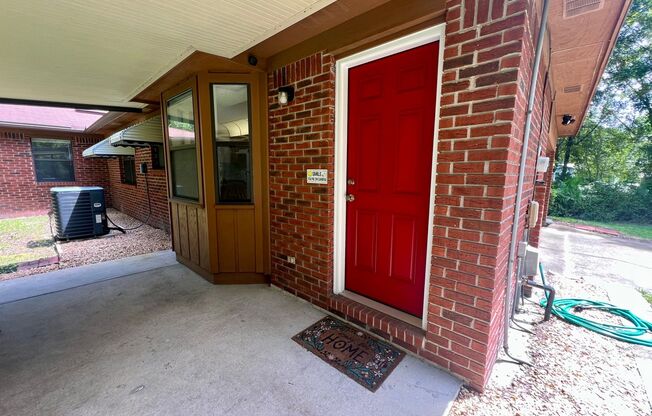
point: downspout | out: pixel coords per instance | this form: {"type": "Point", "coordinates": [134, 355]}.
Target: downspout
{"type": "Point", "coordinates": [521, 173]}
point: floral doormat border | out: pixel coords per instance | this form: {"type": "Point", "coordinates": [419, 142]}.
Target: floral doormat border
{"type": "Point", "coordinates": [355, 353]}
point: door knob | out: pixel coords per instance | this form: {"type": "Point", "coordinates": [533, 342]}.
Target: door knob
{"type": "Point", "coordinates": [350, 197]}
{"type": "Point", "coordinates": [350, 181]}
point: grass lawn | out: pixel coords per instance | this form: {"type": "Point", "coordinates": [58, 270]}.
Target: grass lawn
{"type": "Point", "coordinates": [633, 230]}
{"type": "Point", "coordinates": [24, 239]}
{"type": "Point", "coordinates": [647, 296]}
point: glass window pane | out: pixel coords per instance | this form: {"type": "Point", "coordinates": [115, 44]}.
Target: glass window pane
{"type": "Point", "coordinates": [158, 157]}
{"type": "Point", "coordinates": [183, 156]}
{"type": "Point", "coordinates": [231, 124]}
{"type": "Point", "coordinates": [128, 164]}
{"type": "Point", "coordinates": [53, 160]}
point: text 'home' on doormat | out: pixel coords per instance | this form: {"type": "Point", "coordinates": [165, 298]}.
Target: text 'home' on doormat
{"type": "Point", "coordinates": [355, 353]}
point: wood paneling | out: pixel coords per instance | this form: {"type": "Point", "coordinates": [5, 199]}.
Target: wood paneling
{"type": "Point", "coordinates": [236, 240]}
{"type": "Point", "coordinates": [388, 19]}
{"type": "Point", "coordinates": [204, 250]}
{"type": "Point", "coordinates": [193, 234]}
{"type": "Point", "coordinates": [189, 231]}
{"type": "Point", "coordinates": [245, 240]}
{"type": "Point", "coordinates": [226, 247]}
{"type": "Point", "coordinates": [228, 243]}
{"type": "Point", "coordinates": [312, 25]}
{"type": "Point", "coordinates": [174, 217]}
{"type": "Point", "coordinates": [183, 231]}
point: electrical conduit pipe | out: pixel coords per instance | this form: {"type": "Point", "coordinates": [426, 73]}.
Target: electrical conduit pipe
{"type": "Point", "coordinates": [521, 172]}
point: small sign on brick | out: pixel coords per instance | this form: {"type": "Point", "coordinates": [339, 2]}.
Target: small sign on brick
{"type": "Point", "coordinates": [318, 176]}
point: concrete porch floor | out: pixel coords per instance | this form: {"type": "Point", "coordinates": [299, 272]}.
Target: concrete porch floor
{"type": "Point", "coordinates": [147, 336]}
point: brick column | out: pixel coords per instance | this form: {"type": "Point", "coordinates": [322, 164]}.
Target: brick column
{"type": "Point", "coordinates": [486, 72]}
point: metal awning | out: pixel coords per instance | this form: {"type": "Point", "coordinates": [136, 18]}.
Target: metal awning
{"type": "Point", "coordinates": [104, 149]}
{"type": "Point", "coordinates": [144, 134]}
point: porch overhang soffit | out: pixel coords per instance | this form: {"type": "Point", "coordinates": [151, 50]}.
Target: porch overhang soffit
{"type": "Point", "coordinates": [104, 52]}
{"type": "Point", "coordinates": [582, 35]}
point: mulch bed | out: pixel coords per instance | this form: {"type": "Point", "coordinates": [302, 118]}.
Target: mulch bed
{"type": "Point", "coordinates": [575, 371]}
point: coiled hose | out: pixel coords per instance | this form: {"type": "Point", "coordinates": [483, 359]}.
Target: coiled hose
{"type": "Point", "coordinates": [640, 333]}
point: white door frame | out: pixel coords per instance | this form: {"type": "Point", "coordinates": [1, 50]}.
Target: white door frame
{"type": "Point", "coordinates": [432, 34]}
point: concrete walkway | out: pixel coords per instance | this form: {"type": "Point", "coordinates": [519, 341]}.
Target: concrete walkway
{"type": "Point", "coordinates": [159, 340]}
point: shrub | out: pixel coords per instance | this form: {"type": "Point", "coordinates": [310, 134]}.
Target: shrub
{"type": "Point", "coordinates": [601, 201]}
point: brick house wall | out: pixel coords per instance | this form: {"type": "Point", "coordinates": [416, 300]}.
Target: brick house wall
{"type": "Point", "coordinates": [301, 136]}
{"type": "Point", "coordinates": [132, 199]}
{"type": "Point", "coordinates": [20, 193]}
{"type": "Point", "coordinates": [489, 48]}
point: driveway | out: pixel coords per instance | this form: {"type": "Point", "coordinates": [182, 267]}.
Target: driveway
{"type": "Point", "coordinates": [618, 265]}
{"type": "Point", "coordinates": [147, 336]}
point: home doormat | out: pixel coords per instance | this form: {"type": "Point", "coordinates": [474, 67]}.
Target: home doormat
{"type": "Point", "coordinates": [355, 353]}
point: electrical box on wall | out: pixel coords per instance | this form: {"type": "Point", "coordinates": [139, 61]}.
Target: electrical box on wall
{"type": "Point", "coordinates": [542, 164]}
{"type": "Point", "coordinates": [533, 214]}
{"type": "Point", "coordinates": [531, 261]}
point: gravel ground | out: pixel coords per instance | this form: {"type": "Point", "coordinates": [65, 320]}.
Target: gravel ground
{"type": "Point", "coordinates": [112, 246]}
{"type": "Point", "coordinates": [575, 371]}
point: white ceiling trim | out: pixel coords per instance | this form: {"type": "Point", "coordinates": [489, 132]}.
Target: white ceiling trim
{"type": "Point", "coordinates": [106, 52]}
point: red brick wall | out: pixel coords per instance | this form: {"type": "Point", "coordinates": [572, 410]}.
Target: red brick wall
{"type": "Point", "coordinates": [301, 136]}
{"type": "Point", "coordinates": [489, 55]}
{"type": "Point", "coordinates": [20, 193]}
{"type": "Point", "coordinates": [132, 199]}
{"type": "Point", "coordinates": [487, 65]}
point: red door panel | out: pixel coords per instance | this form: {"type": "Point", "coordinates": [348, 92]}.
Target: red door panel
{"type": "Point", "coordinates": [390, 141]}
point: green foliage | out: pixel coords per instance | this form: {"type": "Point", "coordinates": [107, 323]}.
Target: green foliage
{"type": "Point", "coordinates": [628, 77]}
{"type": "Point", "coordinates": [601, 201]}
{"type": "Point", "coordinates": [646, 295]}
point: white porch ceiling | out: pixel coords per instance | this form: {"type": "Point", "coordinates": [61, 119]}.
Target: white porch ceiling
{"type": "Point", "coordinates": [105, 52]}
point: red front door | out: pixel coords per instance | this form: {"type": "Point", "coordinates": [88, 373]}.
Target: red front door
{"type": "Point", "coordinates": [390, 138]}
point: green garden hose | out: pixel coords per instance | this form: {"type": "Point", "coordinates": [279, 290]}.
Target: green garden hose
{"type": "Point", "coordinates": [640, 333]}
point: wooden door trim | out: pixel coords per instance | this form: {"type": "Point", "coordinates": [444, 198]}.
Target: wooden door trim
{"type": "Point", "coordinates": [258, 133]}
{"type": "Point", "coordinates": [429, 35]}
